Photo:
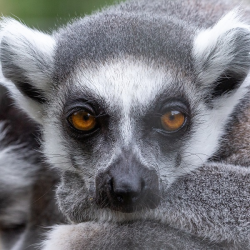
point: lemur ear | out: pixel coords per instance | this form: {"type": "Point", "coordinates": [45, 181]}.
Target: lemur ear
{"type": "Point", "coordinates": [222, 55]}
{"type": "Point", "coordinates": [27, 61]}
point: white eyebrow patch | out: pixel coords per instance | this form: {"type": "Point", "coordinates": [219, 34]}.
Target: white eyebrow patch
{"type": "Point", "coordinates": [126, 84]}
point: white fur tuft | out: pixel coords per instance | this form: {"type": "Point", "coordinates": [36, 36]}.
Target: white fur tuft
{"type": "Point", "coordinates": [24, 42]}
{"type": "Point", "coordinates": [206, 43]}
{"type": "Point", "coordinates": [32, 51]}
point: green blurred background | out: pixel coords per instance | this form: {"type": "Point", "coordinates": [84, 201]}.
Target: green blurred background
{"type": "Point", "coordinates": [49, 14]}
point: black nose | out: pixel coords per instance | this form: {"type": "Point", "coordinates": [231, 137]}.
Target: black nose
{"type": "Point", "coordinates": [126, 190]}
{"type": "Point", "coordinates": [127, 186]}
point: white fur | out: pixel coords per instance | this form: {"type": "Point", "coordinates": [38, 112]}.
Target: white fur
{"type": "Point", "coordinates": [18, 245]}
{"type": "Point", "coordinates": [206, 41]}
{"type": "Point", "coordinates": [23, 42]}
{"type": "Point", "coordinates": [56, 238]}
{"type": "Point", "coordinates": [205, 140]}
{"type": "Point", "coordinates": [32, 108]}
{"type": "Point", "coordinates": [59, 237]}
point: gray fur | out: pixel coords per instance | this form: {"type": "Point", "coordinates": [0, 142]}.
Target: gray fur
{"type": "Point", "coordinates": [212, 203]}
{"type": "Point", "coordinates": [17, 173]}
{"type": "Point", "coordinates": [159, 30]}
{"type": "Point", "coordinates": [26, 183]}
{"type": "Point", "coordinates": [18, 166]}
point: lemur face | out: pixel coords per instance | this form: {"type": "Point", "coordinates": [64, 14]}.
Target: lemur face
{"type": "Point", "coordinates": [123, 112]}
{"type": "Point", "coordinates": [129, 129]}
{"type": "Point", "coordinates": [125, 128]}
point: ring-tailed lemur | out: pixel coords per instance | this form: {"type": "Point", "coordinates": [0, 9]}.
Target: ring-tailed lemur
{"type": "Point", "coordinates": [130, 99]}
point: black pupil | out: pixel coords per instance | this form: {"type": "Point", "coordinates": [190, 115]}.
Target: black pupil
{"type": "Point", "coordinates": [86, 117]}
{"type": "Point", "coordinates": [172, 115]}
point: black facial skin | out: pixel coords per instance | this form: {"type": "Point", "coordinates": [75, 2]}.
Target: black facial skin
{"type": "Point", "coordinates": [169, 141]}
{"type": "Point", "coordinates": [127, 186]}
{"type": "Point", "coordinates": [91, 108]}
{"type": "Point", "coordinates": [152, 119]}
{"type": "Point", "coordinates": [172, 105]}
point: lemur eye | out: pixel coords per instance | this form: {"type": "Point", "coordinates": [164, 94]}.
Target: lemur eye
{"type": "Point", "coordinates": [172, 120]}
{"type": "Point", "coordinates": [82, 120]}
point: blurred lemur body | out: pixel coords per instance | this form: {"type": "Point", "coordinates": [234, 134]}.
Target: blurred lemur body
{"type": "Point", "coordinates": [27, 185]}
{"type": "Point", "coordinates": [140, 107]}
{"type": "Point", "coordinates": [18, 164]}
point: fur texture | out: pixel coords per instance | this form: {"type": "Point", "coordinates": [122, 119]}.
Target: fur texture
{"type": "Point", "coordinates": [195, 214]}
{"type": "Point", "coordinates": [209, 209]}
{"type": "Point", "coordinates": [26, 183]}
{"type": "Point", "coordinates": [17, 173]}
{"type": "Point", "coordinates": [127, 66]}
{"type": "Point", "coordinates": [19, 164]}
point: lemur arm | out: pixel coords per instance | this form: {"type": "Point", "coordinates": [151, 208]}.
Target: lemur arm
{"type": "Point", "coordinates": [207, 209]}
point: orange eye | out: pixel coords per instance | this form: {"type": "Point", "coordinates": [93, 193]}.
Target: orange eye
{"type": "Point", "coordinates": [83, 120]}
{"type": "Point", "coordinates": [172, 120]}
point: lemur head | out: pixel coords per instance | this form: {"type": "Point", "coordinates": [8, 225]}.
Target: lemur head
{"type": "Point", "coordinates": [128, 104]}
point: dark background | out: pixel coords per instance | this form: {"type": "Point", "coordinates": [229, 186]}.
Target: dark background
{"type": "Point", "coordinates": [49, 14]}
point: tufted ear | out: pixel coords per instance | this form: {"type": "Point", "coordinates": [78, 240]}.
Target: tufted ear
{"type": "Point", "coordinates": [222, 56]}
{"type": "Point", "coordinates": [27, 61]}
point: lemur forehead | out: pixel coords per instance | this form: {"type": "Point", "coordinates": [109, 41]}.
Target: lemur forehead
{"type": "Point", "coordinates": [125, 83]}
{"type": "Point", "coordinates": [102, 37]}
